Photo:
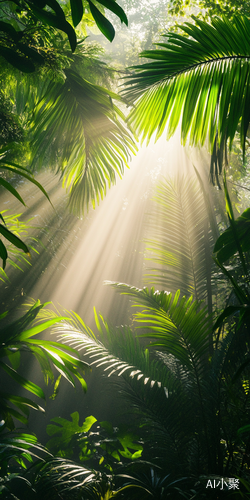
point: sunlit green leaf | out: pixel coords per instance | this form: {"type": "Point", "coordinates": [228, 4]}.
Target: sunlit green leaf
{"type": "Point", "coordinates": [115, 8]}
{"type": "Point", "coordinates": [103, 24]}
{"type": "Point", "coordinates": [199, 79]}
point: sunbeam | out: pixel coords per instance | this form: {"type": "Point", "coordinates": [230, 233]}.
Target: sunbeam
{"type": "Point", "coordinates": [106, 244]}
{"type": "Point", "coordinates": [77, 255]}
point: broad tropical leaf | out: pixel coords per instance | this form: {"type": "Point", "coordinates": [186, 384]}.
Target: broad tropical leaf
{"type": "Point", "coordinates": [88, 143]}
{"type": "Point", "coordinates": [201, 79]}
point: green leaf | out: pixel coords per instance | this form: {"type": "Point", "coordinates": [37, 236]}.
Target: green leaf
{"type": "Point", "coordinates": [66, 429]}
{"type": "Point", "coordinates": [11, 189]}
{"type": "Point", "coordinates": [3, 253]}
{"type": "Point", "coordinates": [56, 388]}
{"type": "Point", "coordinates": [40, 328]}
{"type": "Point", "coordinates": [14, 357]}
{"type": "Point", "coordinates": [17, 242]}
{"type": "Point", "coordinates": [57, 21]}
{"type": "Point", "coordinates": [116, 9]}
{"type": "Point", "coordinates": [76, 11]}
{"type": "Point", "coordinates": [26, 384]}
{"type": "Point", "coordinates": [20, 401]}
{"type": "Point", "coordinates": [103, 24]}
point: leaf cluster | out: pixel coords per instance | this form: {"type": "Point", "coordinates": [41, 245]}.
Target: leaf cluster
{"type": "Point", "coordinates": [98, 443]}
{"type": "Point", "coordinates": [19, 336]}
{"type": "Point", "coordinates": [22, 40]}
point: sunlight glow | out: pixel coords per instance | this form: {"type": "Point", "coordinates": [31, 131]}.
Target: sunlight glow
{"type": "Point", "coordinates": [79, 254]}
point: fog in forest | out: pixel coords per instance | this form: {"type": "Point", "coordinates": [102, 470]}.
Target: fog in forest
{"type": "Point", "coordinates": [124, 243]}
{"type": "Point", "coordinates": [77, 255]}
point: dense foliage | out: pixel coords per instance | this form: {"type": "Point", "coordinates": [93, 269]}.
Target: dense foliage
{"type": "Point", "coordinates": [186, 376]}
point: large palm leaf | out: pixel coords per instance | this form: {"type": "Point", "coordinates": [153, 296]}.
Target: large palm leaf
{"type": "Point", "coordinates": [79, 131]}
{"type": "Point", "coordinates": [181, 242]}
{"type": "Point", "coordinates": [116, 350]}
{"type": "Point", "coordinates": [181, 327]}
{"type": "Point", "coordinates": [149, 381]}
{"type": "Point", "coordinates": [201, 79]}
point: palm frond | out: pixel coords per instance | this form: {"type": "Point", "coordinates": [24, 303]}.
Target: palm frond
{"type": "Point", "coordinates": [61, 477]}
{"type": "Point", "coordinates": [181, 327]}
{"type": "Point", "coordinates": [166, 420]}
{"type": "Point", "coordinates": [117, 351]}
{"type": "Point", "coordinates": [21, 447]}
{"type": "Point", "coordinates": [200, 79]}
{"type": "Point", "coordinates": [180, 330]}
{"type": "Point", "coordinates": [182, 241]}
{"type": "Point", "coordinates": [87, 141]}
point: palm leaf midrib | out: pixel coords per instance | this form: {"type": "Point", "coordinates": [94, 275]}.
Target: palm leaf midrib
{"type": "Point", "coordinates": [172, 73]}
